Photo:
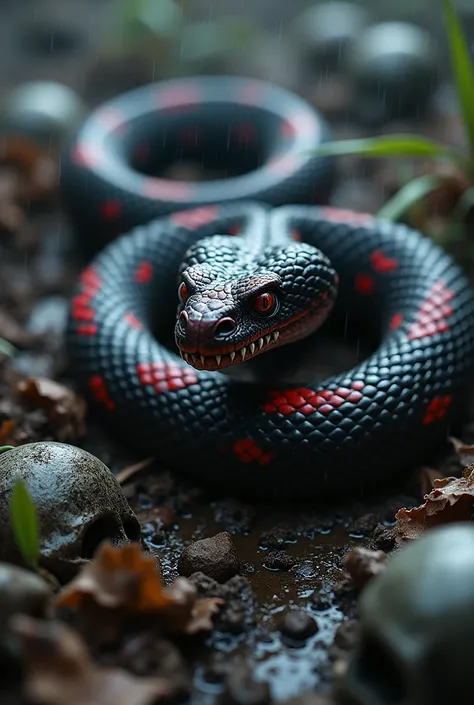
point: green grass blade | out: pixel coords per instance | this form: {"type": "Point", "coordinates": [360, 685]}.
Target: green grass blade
{"type": "Point", "coordinates": [462, 68]}
{"type": "Point", "coordinates": [389, 146]}
{"type": "Point", "coordinates": [7, 348]}
{"type": "Point", "coordinates": [25, 523]}
{"type": "Point", "coordinates": [411, 194]}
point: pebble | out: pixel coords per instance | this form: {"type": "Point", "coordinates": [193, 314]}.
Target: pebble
{"type": "Point", "coordinates": [242, 689]}
{"type": "Point", "coordinates": [215, 557]}
{"type": "Point", "coordinates": [298, 626]}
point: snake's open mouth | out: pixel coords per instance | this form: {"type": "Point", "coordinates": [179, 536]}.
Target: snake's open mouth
{"type": "Point", "coordinates": [218, 362]}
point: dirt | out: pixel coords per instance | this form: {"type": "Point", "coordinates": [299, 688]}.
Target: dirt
{"type": "Point", "coordinates": [291, 557]}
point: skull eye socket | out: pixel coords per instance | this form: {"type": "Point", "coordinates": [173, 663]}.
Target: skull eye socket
{"type": "Point", "coordinates": [183, 293]}
{"type": "Point", "coordinates": [266, 304]}
{"type": "Point", "coordinates": [108, 528]}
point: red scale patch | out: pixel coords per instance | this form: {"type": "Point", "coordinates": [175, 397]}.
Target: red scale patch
{"type": "Point", "coordinates": [307, 401]}
{"type": "Point", "coordinates": [396, 321]}
{"type": "Point", "coordinates": [247, 451]}
{"type": "Point", "coordinates": [81, 308]}
{"type": "Point", "coordinates": [437, 409]}
{"type": "Point", "coordinates": [99, 390]}
{"type": "Point", "coordinates": [143, 273]}
{"type": "Point", "coordinates": [341, 215]}
{"type": "Point", "coordinates": [195, 218]}
{"type": "Point", "coordinates": [166, 377]}
{"type": "Point", "coordinates": [433, 314]}
{"type": "Point", "coordinates": [381, 263]}
{"type": "Point", "coordinates": [110, 210]}
{"type": "Point", "coordinates": [133, 321]}
{"type": "Point", "coordinates": [364, 284]}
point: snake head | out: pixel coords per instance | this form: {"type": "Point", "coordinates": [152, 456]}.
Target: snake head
{"type": "Point", "coordinates": [228, 315]}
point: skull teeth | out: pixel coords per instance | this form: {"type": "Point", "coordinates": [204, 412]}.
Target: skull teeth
{"type": "Point", "coordinates": [206, 361]}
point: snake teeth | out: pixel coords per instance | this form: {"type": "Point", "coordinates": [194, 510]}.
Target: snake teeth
{"type": "Point", "coordinates": [276, 333]}
{"type": "Point", "coordinates": [185, 356]}
{"type": "Point", "coordinates": [268, 338]}
{"type": "Point", "coordinates": [252, 348]}
{"type": "Point", "coordinates": [243, 352]}
{"type": "Point", "coordinates": [218, 359]}
{"type": "Point", "coordinates": [260, 343]}
{"type": "Point", "coordinates": [203, 359]}
{"type": "Point", "coordinates": [232, 356]}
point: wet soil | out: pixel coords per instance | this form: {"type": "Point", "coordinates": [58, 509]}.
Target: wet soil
{"type": "Point", "coordinates": [291, 556]}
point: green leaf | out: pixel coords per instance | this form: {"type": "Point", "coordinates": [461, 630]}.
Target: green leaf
{"type": "Point", "coordinates": [411, 194]}
{"type": "Point", "coordinates": [390, 146]}
{"type": "Point", "coordinates": [462, 67]}
{"type": "Point", "coordinates": [4, 448]}
{"type": "Point", "coordinates": [25, 523]}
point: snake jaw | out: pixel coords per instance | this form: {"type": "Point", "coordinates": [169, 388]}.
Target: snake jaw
{"type": "Point", "coordinates": [220, 361]}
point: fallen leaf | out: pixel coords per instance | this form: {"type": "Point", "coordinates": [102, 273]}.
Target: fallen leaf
{"type": "Point", "coordinates": [131, 470]}
{"type": "Point", "coordinates": [450, 500]}
{"type": "Point", "coordinates": [7, 429]}
{"type": "Point", "coordinates": [66, 410]}
{"type": "Point", "coordinates": [363, 564]}
{"type": "Point", "coordinates": [427, 477]}
{"type": "Point", "coordinates": [122, 583]}
{"type": "Point", "coordinates": [59, 670]}
{"type": "Point", "coordinates": [464, 452]}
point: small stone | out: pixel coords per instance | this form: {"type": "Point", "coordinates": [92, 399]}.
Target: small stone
{"type": "Point", "coordinates": [347, 635]}
{"type": "Point", "coordinates": [363, 565]}
{"type": "Point", "coordinates": [242, 689]}
{"type": "Point", "coordinates": [215, 557]}
{"type": "Point", "coordinates": [22, 591]}
{"type": "Point", "coordinates": [298, 626]}
{"type": "Point", "coordinates": [278, 560]}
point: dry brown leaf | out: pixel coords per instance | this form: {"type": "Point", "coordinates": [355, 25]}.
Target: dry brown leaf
{"type": "Point", "coordinates": [363, 564]}
{"type": "Point", "coordinates": [464, 452]}
{"type": "Point", "coordinates": [131, 470]}
{"type": "Point", "coordinates": [59, 670]}
{"type": "Point", "coordinates": [124, 582]}
{"type": "Point", "coordinates": [7, 429]}
{"type": "Point", "coordinates": [427, 477]}
{"type": "Point", "coordinates": [450, 500]}
{"type": "Point", "coordinates": [66, 410]}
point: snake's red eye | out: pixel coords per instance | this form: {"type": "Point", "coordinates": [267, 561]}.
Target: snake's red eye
{"type": "Point", "coordinates": [266, 304]}
{"type": "Point", "coordinates": [183, 292]}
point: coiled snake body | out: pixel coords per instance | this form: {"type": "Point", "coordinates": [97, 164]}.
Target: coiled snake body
{"type": "Point", "coordinates": [247, 277]}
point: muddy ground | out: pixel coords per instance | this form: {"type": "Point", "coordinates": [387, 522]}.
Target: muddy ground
{"type": "Point", "coordinates": [291, 556]}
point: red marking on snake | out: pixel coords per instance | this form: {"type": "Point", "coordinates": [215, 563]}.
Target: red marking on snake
{"type": "Point", "coordinates": [88, 155]}
{"type": "Point", "coordinates": [341, 215]}
{"type": "Point", "coordinates": [234, 229]}
{"type": "Point", "coordinates": [433, 313]}
{"type": "Point", "coordinates": [81, 308]}
{"type": "Point", "coordinates": [110, 210]}
{"type": "Point", "coordinates": [437, 409]}
{"type": "Point", "coordinates": [307, 401]}
{"type": "Point", "coordinates": [396, 321]}
{"type": "Point", "coordinates": [166, 376]}
{"type": "Point", "coordinates": [159, 188]}
{"type": "Point", "coordinates": [133, 321]}
{"type": "Point", "coordinates": [193, 219]}
{"type": "Point", "coordinates": [247, 451]}
{"type": "Point", "coordinates": [364, 284]}
{"type": "Point", "coordinates": [143, 273]}
{"type": "Point", "coordinates": [177, 99]}
{"type": "Point", "coordinates": [99, 390]}
{"type": "Point", "coordinates": [112, 119]}
{"type": "Point", "coordinates": [284, 164]}
{"type": "Point", "coordinates": [382, 263]}
{"type": "Point", "coordinates": [244, 132]}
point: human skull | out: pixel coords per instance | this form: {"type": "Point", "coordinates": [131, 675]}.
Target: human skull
{"type": "Point", "coordinates": [417, 626]}
{"type": "Point", "coordinates": [78, 501]}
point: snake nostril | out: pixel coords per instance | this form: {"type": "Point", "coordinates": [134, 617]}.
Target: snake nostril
{"type": "Point", "coordinates": [183, 320]}
{"type": "Point", "coordinates": [224, 327]}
